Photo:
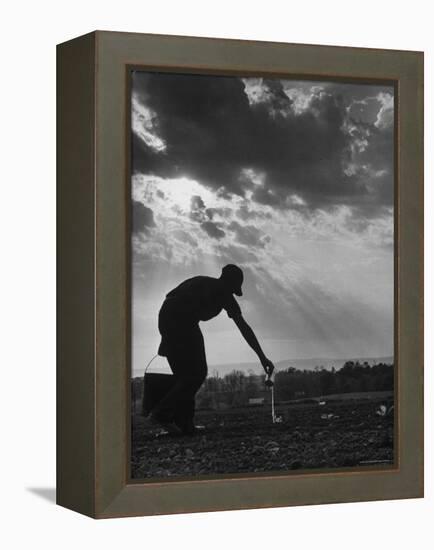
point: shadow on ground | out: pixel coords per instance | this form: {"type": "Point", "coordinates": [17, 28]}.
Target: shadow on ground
{"type": "Point", "coordinates": [47, 493]}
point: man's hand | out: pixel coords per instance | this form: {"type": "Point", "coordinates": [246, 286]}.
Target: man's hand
{"type": "Point", "coordinates": [268, 366]}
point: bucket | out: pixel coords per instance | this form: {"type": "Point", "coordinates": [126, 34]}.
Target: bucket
{"type": "Point", "coordinates": [156, 386]}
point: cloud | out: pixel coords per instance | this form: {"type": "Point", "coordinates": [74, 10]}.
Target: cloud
{"type": "Point", "coordinates": [143, 123]}
{"type": "Point", "coordinates": [184, 237]}
{"type": "Point", "coordinates": [246, 212]}
{"type": "Point", "coordinates": [386, 112]}
{"type": "Point", "coordinates": [197, 203]}
{"type": "Point", "coordinates": [213, 230]}
{"type": "Point", "coordinates": [197, 209]}
{"type": "Point", "coordinates": [248, 235]}
{"type": "Point", "coordinates": [232, 254]}
{"type": "Point", "coordinates": [142, 217]}
{"type": "Point", "coordinates": [301, 137]}
{"type": "Point", "coordinates": [301, 97]}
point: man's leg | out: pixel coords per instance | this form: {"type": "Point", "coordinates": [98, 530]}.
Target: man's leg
{"type": "Point", "coordinates": [199, 369]}
{"type": "Point", "coordinates": [189, 367]}
{"type": "Point", "coordinates": [184, 413]}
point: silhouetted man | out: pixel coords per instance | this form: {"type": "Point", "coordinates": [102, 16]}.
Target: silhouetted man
{"type": "Point", "coordinates": [196, 299]}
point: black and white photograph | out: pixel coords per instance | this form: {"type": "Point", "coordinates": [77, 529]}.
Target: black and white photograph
{"type": "Point", "coordinates": [218, 251]}
{"type": "Point", "coordinates": [262, 275]}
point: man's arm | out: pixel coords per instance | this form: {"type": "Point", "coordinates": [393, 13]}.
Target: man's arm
{"type": "Point", "coordinates": [251, 339]}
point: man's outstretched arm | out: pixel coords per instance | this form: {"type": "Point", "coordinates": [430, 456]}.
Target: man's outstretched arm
{"type": "Point", "coordinates": [251, 339]}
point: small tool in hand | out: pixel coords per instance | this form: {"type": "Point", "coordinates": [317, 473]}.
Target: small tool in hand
{"type": "Point", "coordinates": [270, 385]}
{"type": "Point", "coordinates": [268, 382]}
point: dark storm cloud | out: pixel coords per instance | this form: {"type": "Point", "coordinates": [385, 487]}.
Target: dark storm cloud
{"type": "Point", "coordinates": [213, 230]}
{"type": "Point", "coordinates": [142, 217]}
{"type": "Point", "coordinates": [278, 101]}
{"type": "Point", "coordinates": [212, 133]}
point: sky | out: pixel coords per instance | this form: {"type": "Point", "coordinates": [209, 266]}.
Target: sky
{"type": "Point", "coordinates": [292, 181]}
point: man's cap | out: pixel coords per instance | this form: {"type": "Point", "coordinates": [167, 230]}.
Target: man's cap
{"type": "Point", "coordinates": [234, 276]}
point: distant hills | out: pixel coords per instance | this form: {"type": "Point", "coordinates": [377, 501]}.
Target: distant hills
{"type": "Point", "coordinates": [302, 364]}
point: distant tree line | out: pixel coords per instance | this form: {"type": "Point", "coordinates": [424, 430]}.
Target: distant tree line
{"type": "Point", "coordinates": [236, 388]}
{"type": "Point", "coordinates": [352, 377]}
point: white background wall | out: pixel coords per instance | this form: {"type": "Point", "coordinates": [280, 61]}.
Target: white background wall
{"type": "Point", "coordinates": [29, 32]}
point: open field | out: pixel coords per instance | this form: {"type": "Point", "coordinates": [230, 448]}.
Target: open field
{"type": "Point", "coordinates": [349, 432]}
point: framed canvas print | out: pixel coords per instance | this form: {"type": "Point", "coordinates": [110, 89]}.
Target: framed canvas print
{"type": "Point", "coordinates": [240, 274]}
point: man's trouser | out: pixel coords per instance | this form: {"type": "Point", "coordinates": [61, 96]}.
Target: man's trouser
{"type": "Point", "coordinates": [182, 343]}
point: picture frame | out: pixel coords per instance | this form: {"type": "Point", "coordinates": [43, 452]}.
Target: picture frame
{"type": "Point", "coordinates": [93, 388]}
